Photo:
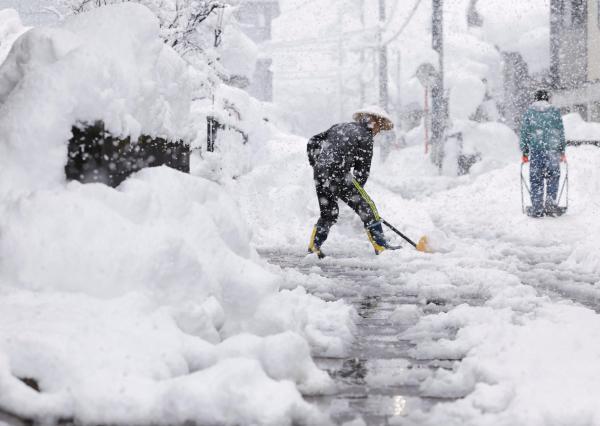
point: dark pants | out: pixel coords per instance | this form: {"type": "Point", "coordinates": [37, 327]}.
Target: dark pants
{"type": "Point", "coordinates": [544, 169]}
{"type": "Point", "coordinates": [347, 189]}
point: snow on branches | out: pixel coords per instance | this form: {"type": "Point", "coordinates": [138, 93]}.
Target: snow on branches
{"type": "Point", "coordinates": [191, 27]}
{"type": "Point", "coordinates": [179, 19]}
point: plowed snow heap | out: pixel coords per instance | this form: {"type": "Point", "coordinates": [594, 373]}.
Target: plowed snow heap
{"type": "Point", "coordinates": [107, 65]}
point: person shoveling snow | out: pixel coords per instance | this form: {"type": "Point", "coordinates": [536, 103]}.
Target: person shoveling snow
{"type": "Point", "coordinates": [341, 161]}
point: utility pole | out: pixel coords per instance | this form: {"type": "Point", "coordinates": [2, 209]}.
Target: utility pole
{"type": "Point", "coordinates": [398, 106]}
{"type": "Point", "coordinates": [439, 107]}
{"type": "Point", "coordinates": [555, 35]}
{"type": "Point", "coordinates": [362, 57]}
{"type": "Point", "coordinates": [340, 50]}
{"type": "Point", "coordinates": [383, 60]}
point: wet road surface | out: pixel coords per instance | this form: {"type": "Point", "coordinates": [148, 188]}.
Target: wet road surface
{"type": "Point", "coordinates": [379, 380]}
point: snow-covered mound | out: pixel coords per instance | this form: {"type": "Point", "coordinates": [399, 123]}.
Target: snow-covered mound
{"type": "Point", "coordinates": [108, 64]}
{"type": "Point", "coordinates": [11, 28]}
{"type": "Point", "coordinates": [124, 362]}
{"type": "Point", "coordinates": [517, 26]}
{"type": "Point", "coordinates": [146, 303]}
{"type": "Point", "coordinates": [578, 129]}
{"type": "Point", "coordinates": [178, 243]}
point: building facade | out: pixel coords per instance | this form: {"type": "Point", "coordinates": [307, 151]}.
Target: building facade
{"type": "Point", "coordinates": [255, 18]}
{"type": "Point", "coordinates": [575, 56]}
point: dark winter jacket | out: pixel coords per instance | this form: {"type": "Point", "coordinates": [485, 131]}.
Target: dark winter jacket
{"type": "Point", "coordinates": [344, 149]}
{"type": "Point", "coordinates": [542, 129]}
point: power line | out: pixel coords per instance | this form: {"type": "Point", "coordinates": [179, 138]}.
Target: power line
{"type": "Point", "coordinates": [285, 44]}
{"type": "Point", "coordinates": [316, 40]}
{"type": "Point", "coordinates": [392, 14]}
{"type": "Point", "coordinates": [301, 5]}
{"type": "Point", "coordinates": [405, 24]}
{"type": "Point", "coordinates": [305, 78]}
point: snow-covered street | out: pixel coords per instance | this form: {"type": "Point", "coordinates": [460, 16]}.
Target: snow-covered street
{"type": "Point", "coordinates": [171, 256]}
{"type": "Point", "coordinates": [491, 330]}
{"type": "Point", "coordinates": [381, 378]}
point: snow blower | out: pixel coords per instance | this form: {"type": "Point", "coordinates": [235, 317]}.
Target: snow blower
{"type": "Point", "coordinates": [564, 190]}
{"type": "Point", "coordinates": [422, 245]}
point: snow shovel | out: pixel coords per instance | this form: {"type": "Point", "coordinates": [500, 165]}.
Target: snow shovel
{"type": "Point", "coordinates": [422, 245]}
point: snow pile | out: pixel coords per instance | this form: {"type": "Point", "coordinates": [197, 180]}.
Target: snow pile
{"type": "Point", "coordinates": [278, 195]}
{"type": "Point", "coordinates": [121, 73]}
{"type": "Point", "coordinates": [123, 361]}
{"type": "Point", "coordinates": [516, 368]}
{"type": "Point", "coordinates": [246, 122]}
{"type": "Point", "coordinates": [238, 53]}
{"type": "Point", "coordinates": [517, 26]}
{"type": "Point", "coordinates": [178, 241]}
{"type": "Point", "coordinates": [578, 129]}
{"type": "Point", "coordinates": [144, 304]}
{"type": "Point", "coordinates": [11, 28]}
{"type": "Point", "coordinates": [585, 256]}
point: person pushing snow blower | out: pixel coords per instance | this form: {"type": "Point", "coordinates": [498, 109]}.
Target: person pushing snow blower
{"type": "Point", "coordinates": [341, 161]}
{"type": "Point", "coordinates": [543, 146]}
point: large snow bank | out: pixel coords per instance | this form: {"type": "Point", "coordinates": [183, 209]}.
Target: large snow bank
{"type": "Point", "coordinates": [517, 369]}
{"type": "Point", "coordinates": [108, 64]}
{"type": "Point", "coordinates": [122, 361]}
{"type": "Point", "coordinates": [144, 304]}
{"type": "Point", "coordinates": [178, 241]}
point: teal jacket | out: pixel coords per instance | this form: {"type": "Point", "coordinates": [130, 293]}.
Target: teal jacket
{"type": "Point", "coordinates": [543, 129]}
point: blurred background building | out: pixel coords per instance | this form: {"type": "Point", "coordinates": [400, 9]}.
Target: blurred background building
{"type": "Point", "coordinates": [575, 56]}
{"type": "Point", "coordinates": [255, 18]}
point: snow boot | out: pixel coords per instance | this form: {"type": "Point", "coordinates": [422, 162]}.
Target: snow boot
{"type": "Point", "coordinates": [550, 209]}
{"type": "Point", "coordinates": [553, 210]}
{"type": "Point", "coordinates": [531, 212]}
{"type": "Point", "coordinates": [377, 238]}
{"type": "Point", "coordinates": [314, 245]}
